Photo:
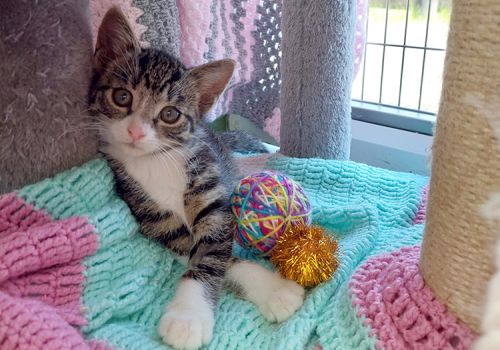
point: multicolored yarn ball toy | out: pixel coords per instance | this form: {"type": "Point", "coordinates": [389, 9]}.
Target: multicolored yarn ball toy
{"type": "Point", "coordinates": [266, 204]}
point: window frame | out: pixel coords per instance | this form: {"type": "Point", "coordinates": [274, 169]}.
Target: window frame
{"type": "Point", "coordinates": [393, 117]}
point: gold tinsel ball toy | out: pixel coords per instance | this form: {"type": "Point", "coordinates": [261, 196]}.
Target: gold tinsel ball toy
{"type": "Point", "coordinates": [306, 255]}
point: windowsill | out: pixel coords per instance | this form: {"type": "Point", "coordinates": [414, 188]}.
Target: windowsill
{"type": "Point", "coordinates": [372, 144]}
{"type": "Point", "coordinates": [390, 148]}
{"type": "Point", "coordinates": [393, 117]}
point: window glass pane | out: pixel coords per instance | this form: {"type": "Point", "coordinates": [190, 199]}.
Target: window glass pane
{"type": "Point", "coordinates": [397, 84]}
{"type": "Point", "coordinates": [376, 22]}
{"type": "Point", "coordinates": [396, 22]}
{"type": "Point", "coordinates": [392, 74]}
{"type": "Point", "coordinates": [356, 85]}
{"type": "Point", "coordinates": [417, 23]}
{"type": "Point", "coordinates": [433, 80]}
{"type": "Point", "coordinates": [439, 24]}
{"type": "Point", "coordinates": [372, 73]}
{"type": "Point", "coordinates": [412, 73]}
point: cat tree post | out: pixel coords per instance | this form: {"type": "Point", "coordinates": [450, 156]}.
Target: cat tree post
{"type": "Point", "coordinates": [316, 73]}
{"type": "Point", "coordinates": [457, 251]}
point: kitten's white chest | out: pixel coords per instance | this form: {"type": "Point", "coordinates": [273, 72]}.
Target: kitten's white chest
{"type": "Point", "coordinates": [163, 180]}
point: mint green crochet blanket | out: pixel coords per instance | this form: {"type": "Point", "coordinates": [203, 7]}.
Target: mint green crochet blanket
{"type": "Point", "coordinates": [130, 279]}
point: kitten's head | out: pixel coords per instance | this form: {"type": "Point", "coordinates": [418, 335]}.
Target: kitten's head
{"type": "Point", "coordinates": [146, 100]}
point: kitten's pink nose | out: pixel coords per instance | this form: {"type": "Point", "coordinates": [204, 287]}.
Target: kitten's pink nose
{"type": "Point", "coordinates": [135, 131]}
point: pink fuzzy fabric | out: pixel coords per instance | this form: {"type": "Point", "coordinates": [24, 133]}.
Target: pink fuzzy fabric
{"type": "Point", "coordinates": [249, 24]}
{"type": "Point", "coordinates": [194, 17]}
{"type": "Point", "coordinates": [253, 164]}
{"type": "Point", "coordinates": [98, 9]}
{"type": "Point", "coordinates": [360, 35]}
{"type": "Point", "coordinates": [400, 309]}
{"type": "Point", "coordinates": [273, 125]}
{"type": "Point", "coordinates": [41, 277]}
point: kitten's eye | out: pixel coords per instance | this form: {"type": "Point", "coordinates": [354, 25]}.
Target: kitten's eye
{"type": "Point", "coordinates": [170, 115]}
{"type": "Point", "coordinates": [122, 97]}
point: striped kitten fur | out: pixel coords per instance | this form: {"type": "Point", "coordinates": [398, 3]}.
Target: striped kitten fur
{"type": "Point", "coordinates": [177, 176]}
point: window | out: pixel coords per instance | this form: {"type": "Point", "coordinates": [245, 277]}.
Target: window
{"type": "Point", "coordinates": [399, 80]}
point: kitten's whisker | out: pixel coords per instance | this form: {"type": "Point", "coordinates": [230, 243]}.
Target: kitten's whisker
{"type": "Point", "coordinates": [121, 69]}
{"type": "Point", "coordinates": [165, 150]}
{"type": "Point", "coordinates": [84, 126]}
{"type": "Point", "coordinates": [112, 71]}
{"type": "Point", "coordinates": [131, 71]}
{"type": "Point", "coordinates": [205, 143]}
{"type": "Point", "coordinates": [160, 156]}
{"type": "Point", "coordinates": [189, 163]}
{"type": "Point", "coordinates": [118, 75]}
{"type": "Point", "coordinates": [187, 154]}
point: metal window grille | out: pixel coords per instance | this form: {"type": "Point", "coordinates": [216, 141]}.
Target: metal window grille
{"type": "Point", "coordinates": [404, 55]}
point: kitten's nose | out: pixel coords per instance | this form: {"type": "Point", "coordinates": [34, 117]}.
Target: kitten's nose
{"type": "Point", "coordinates": [135, 131]}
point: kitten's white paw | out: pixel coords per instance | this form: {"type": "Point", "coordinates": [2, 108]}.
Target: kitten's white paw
{"type": "Point", "coordinates": [188, 321]}
{"type": "Point", "coordinates": [283, 301]}
{"type": "Point", "coordinates": [277, 298]}
{"type": "Point", "coordinates": [185, 327]}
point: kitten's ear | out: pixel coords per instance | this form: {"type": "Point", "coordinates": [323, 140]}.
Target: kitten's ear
{"type": "Point", "coordinates": [114, 39]}
{"type": "Point", "coordinates": [211, 80]}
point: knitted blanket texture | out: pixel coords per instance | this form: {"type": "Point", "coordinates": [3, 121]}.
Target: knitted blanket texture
{"type": "Point", "coordinates": [75, 273]}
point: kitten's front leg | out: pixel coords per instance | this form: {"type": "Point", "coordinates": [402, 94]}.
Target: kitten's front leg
{"type": "Point", "coordinates": [277, 298]}
{"type": "Point", "coordinates": [189, 319]}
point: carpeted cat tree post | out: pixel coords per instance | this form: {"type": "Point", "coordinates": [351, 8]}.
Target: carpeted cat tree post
{"type": "Point", "coordinates": [316, 73]}
{"type": "Point", "coordinates": [457, 251]}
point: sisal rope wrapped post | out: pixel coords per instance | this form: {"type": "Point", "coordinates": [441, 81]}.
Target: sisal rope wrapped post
{"type": "Point", "coordinates": [457, 251]}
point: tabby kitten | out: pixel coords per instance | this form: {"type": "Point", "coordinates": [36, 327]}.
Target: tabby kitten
{"type": "Point", "coordinates": [176, 177]}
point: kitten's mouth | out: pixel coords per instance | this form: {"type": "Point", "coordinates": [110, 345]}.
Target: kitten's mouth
{"type": "Point", "coordinates": [136, 149]}
{"type": "Point", "coordinates": [134, 145]}
{"type": "Point", "coordinates": [133, 148]}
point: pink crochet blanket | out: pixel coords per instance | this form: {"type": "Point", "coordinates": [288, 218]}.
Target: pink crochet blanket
{"type": "Point", "coordinates": [41, 277]}
{"type": "Point", "coordinates": [377, 300]}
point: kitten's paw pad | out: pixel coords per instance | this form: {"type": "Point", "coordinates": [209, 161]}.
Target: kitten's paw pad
{"type": "Point", "coordinates": [184, 328]}
{"type": "Point", "coordinates": [283, 302]}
